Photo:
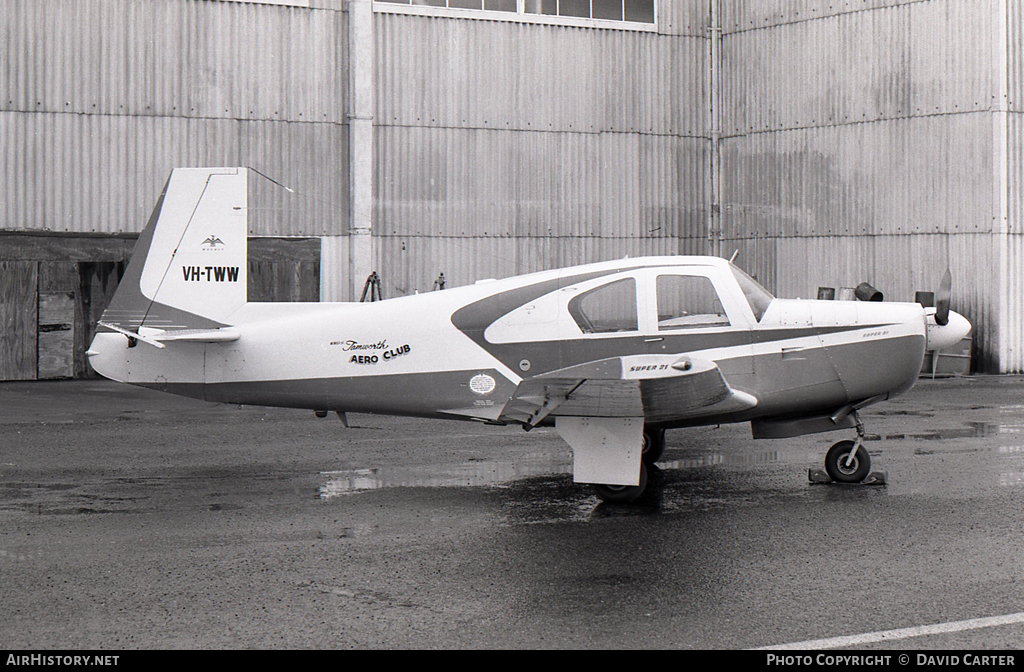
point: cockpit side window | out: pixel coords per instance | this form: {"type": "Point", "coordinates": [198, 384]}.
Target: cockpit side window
{"type": "Point", "coordinates": [607, 309]}
{"type": "Point", "coordinates": [688, 301]}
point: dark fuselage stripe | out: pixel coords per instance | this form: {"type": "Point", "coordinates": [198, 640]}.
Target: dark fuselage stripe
{"type": "Point", "coordinates": [544, 356]}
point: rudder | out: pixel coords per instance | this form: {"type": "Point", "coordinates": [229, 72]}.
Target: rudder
{"type": "Point", "coordinates": [188, 269]}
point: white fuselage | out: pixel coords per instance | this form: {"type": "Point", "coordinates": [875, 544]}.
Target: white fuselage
{"type": "Point", "coordinates": [436, 354]}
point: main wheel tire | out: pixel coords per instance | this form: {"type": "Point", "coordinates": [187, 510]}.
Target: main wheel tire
{"type": "Point", "coordinates": [622, 493]}
{"type": "Point", "coordinates": [839, 471]}
{"type": "Point", "coordinates": [654, 445]}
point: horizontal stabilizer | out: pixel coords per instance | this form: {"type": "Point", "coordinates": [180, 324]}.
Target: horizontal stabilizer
{"type": "Point", "coordinates": [221, 335]}
{"type": "Point", "coordinates": [155, 337]}
{"type": "Point", "coordinates": [131, 334]}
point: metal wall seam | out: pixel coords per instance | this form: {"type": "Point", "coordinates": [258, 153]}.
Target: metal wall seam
{"type": "Point", "coordinates": [534, 146]}
{"type": "Point", "coordinates": [1015, 49]}
{"type": "Point", "coordinates": [1012, 349]}
{"type": "Point", "coordinates": [102, 100]}
{"type": "Point", "coordinates": [923, 58]}
{"type": "Point", "coordinates": [1014, 106]}
{"type": "Point", "coordinates": [676, 17]}
{"type": "Point", "coordinates": [1012, 288]}
{"type": "Point", "coordinates": [106, 176]}
{"type": "Point", "coordinates": [499, 75]}
{"type": "Point", "coordinates": [646, 190]}
{"type": "Point", "coordinates": [128, 57]}
{"type": "Point", "coordinates": [1015, 172]}
{"type": "Point", "coordinates": [886, 174]}
{"type": "Point", "coordinates": [889, 177]}
{"type": "Point", "coordinates": [743, 15]}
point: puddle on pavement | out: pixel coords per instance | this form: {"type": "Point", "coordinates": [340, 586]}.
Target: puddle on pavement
{"type": "Point", "coordinates": [498, 472]}
{"type": "Point", "coordinates": [66, 498]}
{"type": "Point", "coordinates": [470, 474]}
{"type": "Point", "coordinates": [778, 481]}
{"type": "Point", "coordinates": [502, 472]}
{"type": "Point", "coordinates": [971, 430]}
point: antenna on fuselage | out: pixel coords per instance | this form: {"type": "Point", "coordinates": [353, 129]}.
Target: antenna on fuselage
{"type": "Point", "coordinates": [734, 255]}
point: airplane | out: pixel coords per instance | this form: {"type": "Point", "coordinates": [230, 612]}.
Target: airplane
{"type": "Point", "coordinates": [611, 354]}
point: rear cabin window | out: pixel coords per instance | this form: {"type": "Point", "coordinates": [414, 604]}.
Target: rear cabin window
{"type": "Point", "coordinates": [607, 309]}
{"type": "Point", "coordinates": [688, 301]}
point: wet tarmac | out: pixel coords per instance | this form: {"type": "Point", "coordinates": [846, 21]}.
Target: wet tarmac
{"type": "Point", "coordinates": [132, 519]}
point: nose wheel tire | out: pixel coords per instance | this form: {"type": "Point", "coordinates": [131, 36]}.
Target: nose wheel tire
{"type": "Point", "coordinates": [841, 468]}
{"type": "Point", "coordinates": [622, 493]}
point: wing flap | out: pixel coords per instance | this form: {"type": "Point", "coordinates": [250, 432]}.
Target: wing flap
{"type": "Point", "coordinates": [658, 388]}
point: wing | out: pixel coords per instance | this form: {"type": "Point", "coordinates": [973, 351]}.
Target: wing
{"type": "Point", "coordinates": [657, 388]}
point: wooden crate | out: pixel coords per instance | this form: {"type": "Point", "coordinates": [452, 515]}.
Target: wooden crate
{"type": "Point", "coordinates": [19, 282]}
{"type": "Point", "coordinates": [954, 361]}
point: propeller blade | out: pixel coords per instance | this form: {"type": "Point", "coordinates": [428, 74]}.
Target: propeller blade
{"type": "Point", "coordinates": [942, 299]}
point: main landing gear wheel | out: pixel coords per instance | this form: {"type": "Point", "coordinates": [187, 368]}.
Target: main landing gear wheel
{"type": "Point", "coordinates": [841, 468]}
{"type": "Point", "coordinates": [654, 445]}
{"type": "Point", "coordinates": [622, 493]}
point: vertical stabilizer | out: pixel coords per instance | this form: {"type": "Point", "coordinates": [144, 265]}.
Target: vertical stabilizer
{"type": "Point", "coordinates": [188, 269]}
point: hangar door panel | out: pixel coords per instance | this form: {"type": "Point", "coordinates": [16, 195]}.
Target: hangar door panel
{"type": "Point", "coordinates": [19, 282]}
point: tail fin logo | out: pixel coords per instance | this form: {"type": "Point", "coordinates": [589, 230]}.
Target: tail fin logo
{"type": "Point", "coordinates": [198, 240]}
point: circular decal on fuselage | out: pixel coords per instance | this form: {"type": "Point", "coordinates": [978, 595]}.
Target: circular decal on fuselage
{"type": "Point", "coordinates": [482, 384]}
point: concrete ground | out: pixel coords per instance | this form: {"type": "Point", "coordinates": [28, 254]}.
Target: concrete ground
{"type": "Point", "coordinates": [130, 519]}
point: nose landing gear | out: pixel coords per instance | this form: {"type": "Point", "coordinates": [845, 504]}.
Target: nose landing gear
{"type": "Point", "coordinates": [848, 461]}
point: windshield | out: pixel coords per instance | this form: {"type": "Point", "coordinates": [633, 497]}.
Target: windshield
{"type": "Point", "coordinates": [757, 296]}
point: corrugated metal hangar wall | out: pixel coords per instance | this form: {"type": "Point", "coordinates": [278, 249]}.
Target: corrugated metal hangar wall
{"type": "Point", "coordinates": [880, 141]}
{"type": "Point", "coordinates": [503, 147]}
{"type": "Point", "coordinates": [102, 99]}
{"type": "Point", "coordinates": [829, 142]}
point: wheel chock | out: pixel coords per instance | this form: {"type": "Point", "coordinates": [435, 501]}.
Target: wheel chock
{"type": "Point", "coordinates": [821, 476]}
{"type": "Point", "coordinates": [874, 478]}
{"type": "Point", "coordinates": [818, 476]}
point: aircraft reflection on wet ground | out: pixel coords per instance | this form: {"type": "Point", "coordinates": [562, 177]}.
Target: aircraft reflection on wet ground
{"type": "Point", "coordinates": [497, 473]}
{"type": "Point", "coordinates": [697, 479]}
{"type": "Point", "coordinates": [472, 474]}
{"type": "Point", "coordinates": [972, 430]}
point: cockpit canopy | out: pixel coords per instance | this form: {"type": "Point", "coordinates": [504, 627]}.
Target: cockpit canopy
{"type": "Point", "coordinates": [641, 300]}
